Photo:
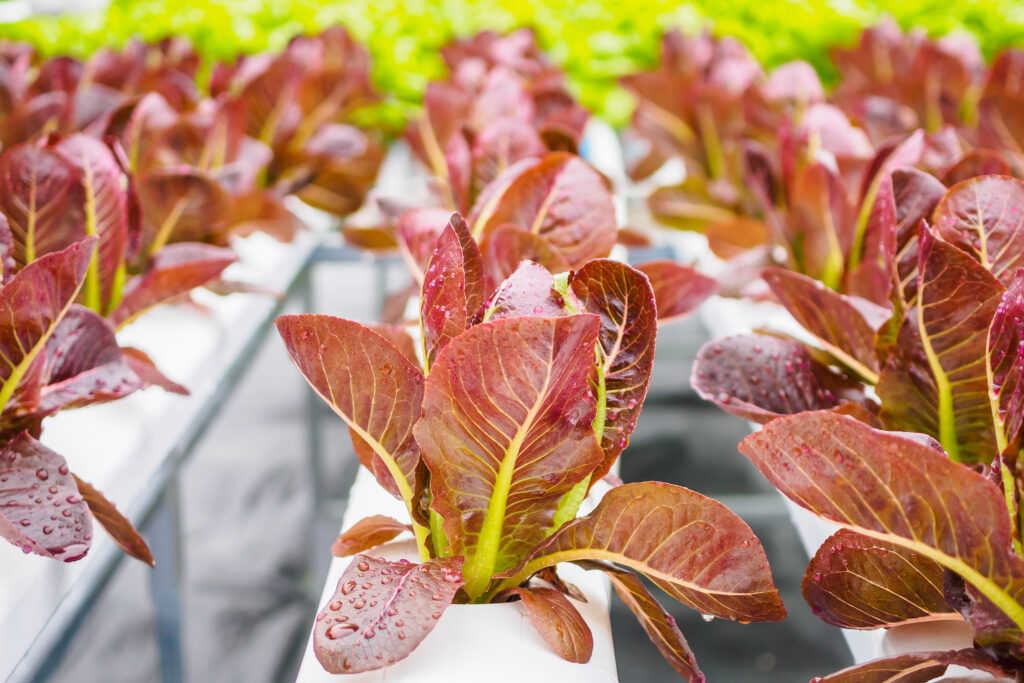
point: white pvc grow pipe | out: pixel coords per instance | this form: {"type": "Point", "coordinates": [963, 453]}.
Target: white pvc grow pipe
{"type": "Point", "coordinates": [470, 643]}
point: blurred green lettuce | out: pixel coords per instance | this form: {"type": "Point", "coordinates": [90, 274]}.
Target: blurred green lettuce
{"type": "Point", "coordinates": [595, 41]}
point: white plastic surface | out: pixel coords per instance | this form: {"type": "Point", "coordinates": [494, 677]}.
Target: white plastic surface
{"type": "Point", "coordinates": [473, 643]}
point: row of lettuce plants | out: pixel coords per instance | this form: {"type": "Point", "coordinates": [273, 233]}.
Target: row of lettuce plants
{"type": "Point", "coordinates": [122, 184]}
{"type": "Point", "coordinates": [885, 218]}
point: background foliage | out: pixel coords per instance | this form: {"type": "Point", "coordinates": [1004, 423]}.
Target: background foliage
{"type": "Point", "coordinates": [594, 41]}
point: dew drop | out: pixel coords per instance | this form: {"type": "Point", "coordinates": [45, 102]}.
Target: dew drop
{"type": "Point", "coordinates": [707, 617]}
{"type": "Point", "coordinates": [342, 630]}
{"type": "Point", "coordinates": [363, 566]}
{"type": "Point", "coordinates": [42, 474]}
{"type": "Point", "coordinates": [63, 469]}
{"type": "Point", "coordinates": [359, 604]}
{"type": "Point", "coordinates": [347, 587]}
{"type": "Point", "coordinates": [336, 605]}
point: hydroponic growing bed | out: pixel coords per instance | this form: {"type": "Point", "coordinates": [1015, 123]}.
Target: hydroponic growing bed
{"type": "Point", "coordinates": [860, 244]}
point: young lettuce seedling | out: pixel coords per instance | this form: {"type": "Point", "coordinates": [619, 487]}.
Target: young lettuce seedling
{"type": "Point", "coordinates": [522, 399]}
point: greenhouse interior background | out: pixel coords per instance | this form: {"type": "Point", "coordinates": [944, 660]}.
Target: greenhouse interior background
{"type": "Point", "coordinates": [500, 341]}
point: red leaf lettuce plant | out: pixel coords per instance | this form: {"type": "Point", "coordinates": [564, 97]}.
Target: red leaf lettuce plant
{"type": "Point", "coordinates": [930, 508]}
{"type": "Point", "coordinates": [518, 401]}
{"type": "Point", "coordinates": [57, 355]}
{"type": "Point", "coordinates": [503, 103]}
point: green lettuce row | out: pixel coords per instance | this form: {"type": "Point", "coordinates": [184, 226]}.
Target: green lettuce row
{"type": "Point", "coordinates": [595, 41]}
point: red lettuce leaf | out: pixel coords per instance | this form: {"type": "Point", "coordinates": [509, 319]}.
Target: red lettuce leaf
{"type": "Point", "coordinates": [692, 547]}
{"type": "Point", "coordinates": [453, 288]}
{"type": "Point", "coordinates": [417, 232]}
{"type": "Point", "coordinates": [529, 291]}
{"type": "Point", "coordinates": [913, 668]}
{"type": "Point", "coordinates": [558, 623]}
{"type": "Point", "coordinates": [175, 270]}
{"type": "Point", "coordinates": [623, 299]}
{"type": "Point", "coordinates": [1005, 355]}
{"type": "Point", "coordinates": [845, 327]}
{"type": "Point", "coordinates": [935, 381]}
{"type": "Point", "coordinates": [659, 625]}
{"type": "Point", "coordinates": [558, 197]}
{"type": "Point", "coordinates": [41, 509]}
{"type": "Point", "coordinates": [508, 246]}
{"type": "Point", "coordinates": [506, 432]}
{"type": "Point", "coordinates": [758, 377]}
{"type": "Point", "coordinates": [41, 195]}
{"type": "Point", "coordinates": [115, 524]}
{"type": "Point", "coordinates": [985, 218]}
{"type": "Point", "coordinates": [367, 533]}
{"type": "Point", "coordinates": [34, 302]}
{"type": "Point", "coordinates": [678, 289]}
{"type": "Point", "coordinates": [370, 384]}
{"type": "Point", "coordinates": [83, 364]}
{"type": "Point", "coordinates": [977, 162]}
{"type": "Point", "coordinates": [858, 582]}
{"type": "Point", "coordinates": [899, 490]}
{"type": "Point", "coordinates": [104, 196]}
{"type": "Point", "coordinates": [381, 610]}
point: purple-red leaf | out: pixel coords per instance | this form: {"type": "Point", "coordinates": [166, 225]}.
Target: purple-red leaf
{"type": "Point", "coordinates": [34, 302]}
{"type": "Point", "coordinates": [1005, 356]}
{"type": "Point", "coordinates": [985, 217]}
{"type": "Point", "coordinates": [913, 668]}
{"type": "Point", "coordinates": [558, 623]}
{"type": "Point", "coordinates": [501, 143]}
{"type": "Point", "coordinates": [558, 197]}
{"type": "Point", "coordinates": [142, 365]}
{"type": "Point", "coordinates": [41, 510]}
{"type": "Point", "coordinates": [117, 525]}
{"type": "Point", "coordinates": [41, 195]}
{"type": "Point", "coordinates": [367, 533]}
{"type": "Point", "coordinates": [529, 291]}
{"type": "Point", "coordinates": [453, 288]}
{"type": "Point", "coordinates": [899, 490]}
{"type": "Point", "coordinates": [105, 208]}
{"type": "Point", "coordinates": [623, 299]}
{"type": "Point", "coordinates": [381, 610]}
{"type": "Point", "coordinates": [84, 364]}
{"type": "Point", "coordinates": [858, 582]}
{"type": "Point", "coordinates": [416, 232]}
{"type": "Point", "coordinates": [370, 384]}
{"type": "Point", "coordinates": [175, 270]}
{"type": "Point", "coordinates": [845, 327]}
{"type": "Point", "coordinates": [506, 432]}
{"type": "Point", "coordinates": [678, 289]}
{"type": "Point", "coordinates": [935, 379]}
{"type": "Point", "coordinates": [400, 337]}
{"type": "Point", "coordinates": [508, 246]}
{"type": "Point", "coordinates": [758, 377]}
{"type": "Point", "coordinates": [692, 547]}
{"type": "Point", "coordinates": [659, 625]}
